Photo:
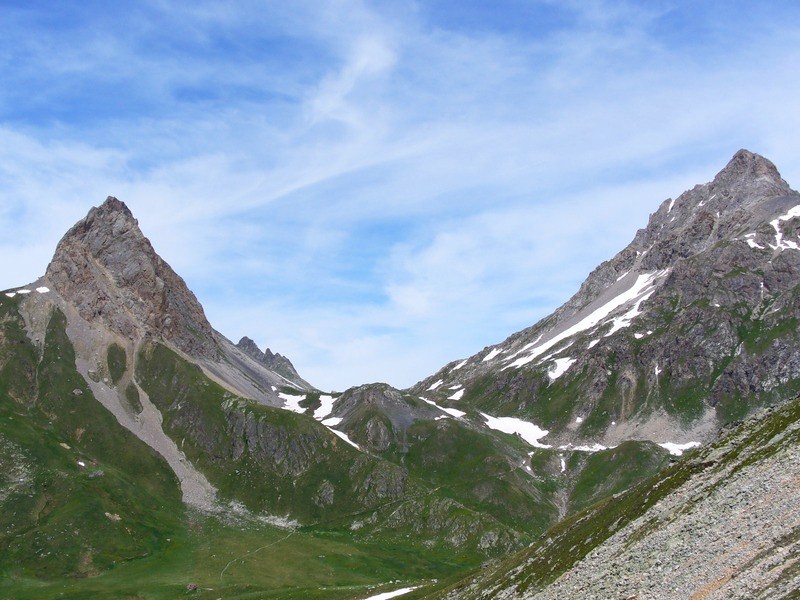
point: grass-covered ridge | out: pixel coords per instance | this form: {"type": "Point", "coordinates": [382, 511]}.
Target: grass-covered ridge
{"type": "Point", "coordinates": [272, 460]}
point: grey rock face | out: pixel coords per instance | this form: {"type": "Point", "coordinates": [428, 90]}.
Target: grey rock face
{"type": "Point", "coordinates": [324, 495]}
{"type": "Point", "coordinates": [274, 362]}
{"type": "Point", "coordinates": [377, 415]}
{"type": "Point", "coordinates": [109, 270]}
{"type": "Point", "coordinates": [287, 452]}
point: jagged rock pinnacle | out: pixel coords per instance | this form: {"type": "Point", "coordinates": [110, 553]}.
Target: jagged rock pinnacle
{"type": "Point", "coordinates": [274, 361]}
{"type": "Point", "coordinates": [107, 268]}
{"type": "Point", "coordinates": [747, 170]}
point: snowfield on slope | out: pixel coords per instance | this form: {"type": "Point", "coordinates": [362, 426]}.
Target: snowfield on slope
{"type": "Point", "coordinates": [394, 594]}
{"type": "Point", "coordinates": [527, 431]}
{"type": "Point", "coordinates": [560, 366]}
{"type": "Point", "coordinates": [639, 291]}
{"type": "Point", "coordinates": [450, 411]}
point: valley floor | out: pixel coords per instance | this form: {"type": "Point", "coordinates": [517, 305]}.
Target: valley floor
{"type": "Point", "coordinates": [212, 559]}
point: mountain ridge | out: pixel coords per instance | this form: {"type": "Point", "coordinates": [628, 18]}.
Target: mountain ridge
{"type": "Point", "coordinates": [690, 328]}
{"type": "Point", "coordinates": [740, 221]}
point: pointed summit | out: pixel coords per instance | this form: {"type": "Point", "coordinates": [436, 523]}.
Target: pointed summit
{"type": "Point", "coordinates": [750, 172]}
{"type": "Point", "coordinates": [112, 204]}
{"type": "Point", "coordinates": [676, 322]}
{"type": "Point", "coordinates": [273, 361]}
{"type": "Point", "coordinates": [107, 268]}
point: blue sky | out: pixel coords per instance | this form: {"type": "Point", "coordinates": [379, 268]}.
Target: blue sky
{"type": "Point", "coordinates": [377, 188]}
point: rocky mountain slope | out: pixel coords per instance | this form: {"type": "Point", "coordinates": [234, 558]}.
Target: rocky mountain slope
{"type": "Point", "coordinates": [692, 325]}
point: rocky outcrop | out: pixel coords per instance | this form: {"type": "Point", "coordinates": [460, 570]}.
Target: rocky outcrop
{"type": "Point", "coordinates": [274, 362]}
{"type": "Point", "coordinates": [278, 448]}
{"type": "Point", "coordinates": [378, 416]}
{"type": "Point", "coordinates": [110, 272]}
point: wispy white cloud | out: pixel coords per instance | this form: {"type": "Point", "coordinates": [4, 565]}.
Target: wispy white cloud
{"type": "Point", "coordinates": [370, 189]}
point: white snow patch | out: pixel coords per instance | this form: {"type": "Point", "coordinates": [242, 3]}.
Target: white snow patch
{"type": "Point", "coordinates": [492, 354]}
{"type": "Point", "coordinates": [780, 243]}
{"type": "Point", "coordinates": [640, 290]}
{"type": "Point", "coordinates": [678, 449]}
{"type": "Point", "coordinates": [435, 385]}
{"type": "Point", "coordinates": [457, 395]}
{"type": "Point", "coordinates": [11, 294]}
{"type": "Point", "coordinates": [394, 594]}
{"type": "Point", "coordinates": [671, 204]}
{"type": "Point", "coordinates": [625, 274]}
{"type": "Point", "coordinates": [579, 419]}
{"type": "Point", "coordinates": [331, 422]}
{"type": "Point", "coordinates": [23, 291]}
{"type": "Point", "coordinates": [345, 438]}
{"type": "Point", "coordinates": [526, 347]}
{"type": "Point", "coordinates": [563, 463]}
{"type": "Point", "coordinates": [593, 448]}
{"type": "Point", "coordinates": [325, 407]}
{"type": "Point", "coordinates": [461, 364]}
{"type": "Point", "coordinates": [81, 463]}
{"type": "Point", "coordinates": [626, 319]}
{"type": "Point", "coordinates": [560, 366]}
{"type": "Point", "coordinates": [449, 411]}
{"type": "Point", "coordinates": [292, 403]}
{"type": "Point", "coordinates": [613, 422]}
{"type": "Point", "coordinates": [638, 336]}
{"type": "Point", "coordinates": [453, 411]}
{"type": "Point", "coordinates": [751, 242]}
{"type": "Point", "coordinates": [592, 344]}
{"type": "Point", "coordinates": [527, 431]}
{"type": "Point", "coordinates": [657, 370]}
{"type": "Point", "coordinates": [43, 289]}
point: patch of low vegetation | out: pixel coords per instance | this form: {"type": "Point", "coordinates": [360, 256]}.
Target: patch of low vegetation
{"type": "Point", "coordinates": [117, 361]}
{"type": "Point", "coordinates": [612, 471]}
{"type": "Point", "coordinates": [132, 398]}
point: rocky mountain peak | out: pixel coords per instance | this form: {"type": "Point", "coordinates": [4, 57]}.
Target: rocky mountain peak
{"type": "Point", "coordinates": [109, 270]}
{"type": "Point", "coordinates": [273, 361]}
{"type": "Point", "coordinates": [747, 192]}
{"type": "Point", "coordinates": [677, 320]}
{"type": "Point", "coordinates": [747, 169]}
{"type": "Point", "coordinates": [249, 347]}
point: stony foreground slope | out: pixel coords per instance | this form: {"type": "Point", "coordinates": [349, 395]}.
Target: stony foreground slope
{"type": "Point", "coordinates": [723, 522]}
